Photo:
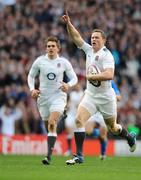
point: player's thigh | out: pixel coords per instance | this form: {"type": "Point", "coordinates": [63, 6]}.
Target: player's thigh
{"type": "Point", "coordinates": [82, 115]}
{"type": "Point", "coordinates": [111, 122]}
{"type": "Point", "coordinates": [54, 116]}
{"type": "Point", "coordinates": [89, 127]}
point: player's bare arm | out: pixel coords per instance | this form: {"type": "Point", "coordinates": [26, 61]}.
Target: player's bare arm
{"type": "Point", "coordinates": [73, 33]}
{"type": "Point", "coordinates": [108, 74]}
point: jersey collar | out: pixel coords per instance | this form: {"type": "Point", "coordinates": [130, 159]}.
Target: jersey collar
{"type": "Point", "coordinates": [46, 55]}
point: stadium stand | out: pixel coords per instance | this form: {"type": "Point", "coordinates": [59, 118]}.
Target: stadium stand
{"type": "Point", "coordinates": [24, 26]}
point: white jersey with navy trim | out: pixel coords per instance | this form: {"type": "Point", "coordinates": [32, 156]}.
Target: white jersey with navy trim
{"type": "Point", "coordinates": [102, 59]}
{"type": "Point", "coordinates": [50, 74]}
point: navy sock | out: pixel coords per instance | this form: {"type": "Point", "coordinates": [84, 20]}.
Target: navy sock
{"type": "Point", "coordinates": [51, 142]}
{"type": "Point", "coordinates": [125, 134]}
{"type": "Point", "coordinates": [96, 132]}
{"type": "Point", "coordinates": [103, 144]}
{"type": "Point", "coordinates": [79, 139]}
{"type": "Point", "coordinates": [69, 143]}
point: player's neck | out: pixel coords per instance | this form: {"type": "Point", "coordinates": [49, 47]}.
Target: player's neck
{"type": "Point", "coordinates": [52, 57]}
{"type": "Point", "coordinates": [97, 49]}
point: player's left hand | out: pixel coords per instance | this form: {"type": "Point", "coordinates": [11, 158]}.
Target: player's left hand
{"type": "Point", "coordinates": [64, 87]}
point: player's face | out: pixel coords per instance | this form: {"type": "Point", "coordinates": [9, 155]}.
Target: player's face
{"type": "Point", "coordinates": [97, 41]}
{"type": "Point", "coordinates": [52, 49]}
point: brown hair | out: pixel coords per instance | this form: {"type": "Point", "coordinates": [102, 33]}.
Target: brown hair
{"type": "Point", "coordinates": [104, 36]}
{"type": "Point", "coordinates": [54, 39]}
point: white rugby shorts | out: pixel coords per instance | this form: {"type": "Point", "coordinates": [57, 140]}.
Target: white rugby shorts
{"type": "Point", "coordinates": [106, 105]}
{"type": "Point", "coordinates": [97, 118]}
{"type": "Point", "coordinates": [48, 104]}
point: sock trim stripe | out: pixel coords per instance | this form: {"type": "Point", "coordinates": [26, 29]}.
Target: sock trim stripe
{"type": "Point", "coordinates": [52, 134]}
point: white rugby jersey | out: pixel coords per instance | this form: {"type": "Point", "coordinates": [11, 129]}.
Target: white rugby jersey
{"type": "Point", "coordinates": [102, 59]}
{"type": "Point", "coordinates": [50, 73]}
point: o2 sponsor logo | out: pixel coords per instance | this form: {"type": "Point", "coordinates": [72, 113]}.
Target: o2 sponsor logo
{"type": "Point", "coordinates": [51, 76]}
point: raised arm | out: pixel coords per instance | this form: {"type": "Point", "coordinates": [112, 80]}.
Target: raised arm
{"type": "Point", "coordinates": [72, 31]}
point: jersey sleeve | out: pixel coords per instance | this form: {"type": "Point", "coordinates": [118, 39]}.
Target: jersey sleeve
{"type": "Point", "coordinates": [108, 61]}
{"type": "Point", "coordinates": [70, 74]}
{"type": "Point", "coordinates": [85, 47]}
{"type": "Point", "coordinates": [34, 71]}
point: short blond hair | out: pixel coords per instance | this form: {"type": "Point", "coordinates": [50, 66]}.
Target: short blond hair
{"type": "Point", "coordinates": [104, 36]}
{"type": "Point", "coordinates": [53, 39]}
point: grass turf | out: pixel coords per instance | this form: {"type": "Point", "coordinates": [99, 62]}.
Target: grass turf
{"type": "Point", "coordinates": [30, 167]}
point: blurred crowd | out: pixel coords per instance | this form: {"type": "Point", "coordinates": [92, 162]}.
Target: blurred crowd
{"type": "Point", "coordinates": [24, 25]}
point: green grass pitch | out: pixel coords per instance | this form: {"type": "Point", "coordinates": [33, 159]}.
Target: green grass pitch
{"type": "Point", "coordinates": [30, 168]}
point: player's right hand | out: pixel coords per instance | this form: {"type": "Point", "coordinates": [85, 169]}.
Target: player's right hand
{"type": "Point", "coordinates": [35, 93]}
{"type": "Point", "coordinates": [66, 18]}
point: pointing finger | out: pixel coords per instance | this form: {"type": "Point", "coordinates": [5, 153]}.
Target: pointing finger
{"type": "Point", "coordinates": [66, 12]}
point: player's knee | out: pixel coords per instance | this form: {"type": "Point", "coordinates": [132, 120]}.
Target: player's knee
{"type": "Point", "coordinates": [103, 135]}
{"type": "Point", "coordinates": [51, 125]}
{"type": "Point", "coordinates": [78, 122]}
{"type": "Point", "coordinates": [88, 131]}
{"type": "Point", "coordinates": [115, 129]}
